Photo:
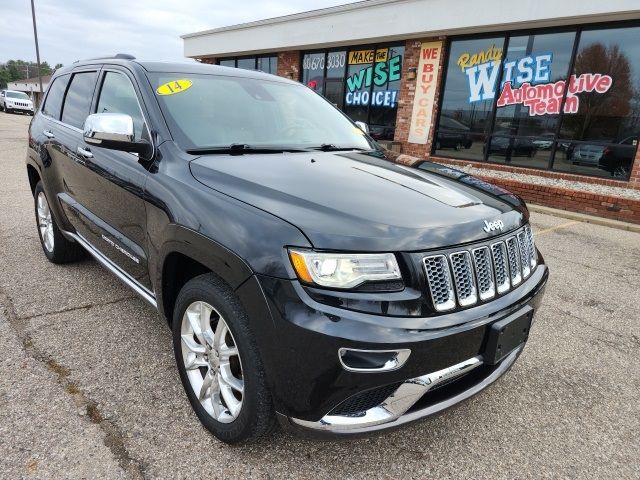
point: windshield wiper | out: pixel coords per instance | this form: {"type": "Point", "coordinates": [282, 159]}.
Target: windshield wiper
{"type": "Point", "coordinates": [242, 148]}
{"type": "Point", "coordinates": [330, 147]}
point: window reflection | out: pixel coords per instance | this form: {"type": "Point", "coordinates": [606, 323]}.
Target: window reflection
{"type": "Point", "coordinates": [589, 121]}
{"type": "Point", "coordinates": [465, 121]}
{"type": "Point", "coordinates": [267, 64]}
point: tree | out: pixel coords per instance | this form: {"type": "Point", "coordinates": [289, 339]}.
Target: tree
{"type": "Point", "coordinates": [4, 77]}
{"type": "Point", "coordinates": [45, 69]}
{"type": "Point", "coordinates": [599, 115]}
{"type": "Point", "coordinates": [12, 69]}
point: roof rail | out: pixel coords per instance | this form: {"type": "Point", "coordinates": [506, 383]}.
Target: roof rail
{"type": "Point", "coordinates": [120, 56]}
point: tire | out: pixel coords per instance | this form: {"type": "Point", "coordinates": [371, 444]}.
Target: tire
{"type": "Point", "coordinates": [54, 245]}
{"type": "Point", "coordinates": [207, 296]}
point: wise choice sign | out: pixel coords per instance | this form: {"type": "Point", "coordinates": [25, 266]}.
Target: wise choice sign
{"type": "Point", "coordinates": [378, 69]}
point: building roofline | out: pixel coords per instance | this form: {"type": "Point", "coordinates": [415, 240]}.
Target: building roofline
{"type": "Point", "coordinates": [376, 21]}
{"type": "Point", "coordinates": [320, 12]}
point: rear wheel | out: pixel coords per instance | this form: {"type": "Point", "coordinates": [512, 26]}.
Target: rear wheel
{"type": "Point", "coordinates": [55, 246]}
{"type": "Point", "coordinates": [219, 364]}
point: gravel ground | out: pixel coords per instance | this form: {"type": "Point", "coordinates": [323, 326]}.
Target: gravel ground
{"type": "Point", "coordinates": [630, 193]}
{"type": "Point", "coordinates": [88, 387]}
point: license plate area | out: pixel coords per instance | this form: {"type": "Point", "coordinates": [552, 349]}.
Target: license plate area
{"type": "Point", "coordinates": [507, 334]}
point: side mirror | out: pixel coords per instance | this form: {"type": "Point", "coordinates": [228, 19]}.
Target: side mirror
{"type": "Point", "coordinates": [114, 131]}
{"type": "Point", "coordinates": [363, 126]}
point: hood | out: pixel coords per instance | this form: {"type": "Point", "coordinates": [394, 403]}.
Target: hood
{"type": "Point", "coordinates": [360, 202]}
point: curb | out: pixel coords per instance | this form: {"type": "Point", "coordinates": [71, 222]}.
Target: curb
{"type": "Point", "coordinates": [581, 217]}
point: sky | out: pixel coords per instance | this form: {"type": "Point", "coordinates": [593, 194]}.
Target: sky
{"type": "Point", "coordinates": [69, 30]}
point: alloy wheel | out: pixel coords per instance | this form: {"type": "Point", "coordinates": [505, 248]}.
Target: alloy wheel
{"type": "Point", "coordinates": [45, 222]}
{"type": "Point", "coordinates": [212, 361]}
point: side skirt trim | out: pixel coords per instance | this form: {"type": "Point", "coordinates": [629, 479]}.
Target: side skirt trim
{"type": "Point", "coordinates": [148, 295]}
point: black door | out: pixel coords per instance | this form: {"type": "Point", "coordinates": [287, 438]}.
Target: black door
{"type": "Point", "coordinates": [107, 185]}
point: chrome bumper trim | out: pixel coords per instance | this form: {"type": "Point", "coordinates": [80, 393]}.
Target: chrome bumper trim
{"type": "Point", "coordinates": [392, 412]}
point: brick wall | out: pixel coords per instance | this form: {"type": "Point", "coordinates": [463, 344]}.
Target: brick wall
{"type": "Point", "coordinates": [289, 64]}
{"type": "Point", "coordinates": [633, 183]}
{"type": "Point", "coordinates": [590, 203]}
{"type": "Point", "coordinates": [407, 92]}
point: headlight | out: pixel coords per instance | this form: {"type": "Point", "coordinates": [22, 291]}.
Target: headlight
{"type": "Point", "coordinates": [343, 270]}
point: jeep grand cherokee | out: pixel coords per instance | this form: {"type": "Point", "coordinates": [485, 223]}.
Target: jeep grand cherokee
{"type": "Point", "coordinates": [306, 276]}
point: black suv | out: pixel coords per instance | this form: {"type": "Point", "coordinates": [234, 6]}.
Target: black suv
{"type": "Point", "coordinates": [307, 276]}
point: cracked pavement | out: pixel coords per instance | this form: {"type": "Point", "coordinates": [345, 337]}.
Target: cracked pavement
{"type": "Point", "coordinates": [88, 386]}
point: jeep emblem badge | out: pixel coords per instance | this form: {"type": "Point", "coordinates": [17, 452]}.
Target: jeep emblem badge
{"type": "Point", "coordinates": [491, 226]}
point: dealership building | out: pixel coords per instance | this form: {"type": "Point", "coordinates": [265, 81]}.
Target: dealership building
{"type": "Point", "coordinates": [541, 97]}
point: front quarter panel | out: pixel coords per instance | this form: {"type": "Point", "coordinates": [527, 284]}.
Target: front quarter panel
{"type": "Point", "coordinates": [231, 238]}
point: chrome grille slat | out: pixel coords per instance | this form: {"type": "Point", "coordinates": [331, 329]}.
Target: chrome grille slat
{"type": "Point", "coordinates": [514, 261]}
{"type": "Point", "coordinates": [465, 276]}
{"type": "Point", "coordinates": [501, 266]}
{"type": "Point", "coordinates": [532, 246]}
{"type": "Point", "coordinates": [440, 284]}
{"type": "Point", "coordinates": [464, 281]}
{"type": "Point", "coordinates": [484, 272]}
{"type": "Point", "coordinates": [525, 256]}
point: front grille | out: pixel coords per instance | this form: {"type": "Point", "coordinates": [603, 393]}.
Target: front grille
{"type": "Point", "coordinates": [363, 401]}
{"type": "Point", "coordinates": [20, 104]}
{"type": "Point", "coordinates": [479, 272]}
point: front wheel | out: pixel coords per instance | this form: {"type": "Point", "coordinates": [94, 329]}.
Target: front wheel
{"type": "Point", "coordinates": [219, 363]}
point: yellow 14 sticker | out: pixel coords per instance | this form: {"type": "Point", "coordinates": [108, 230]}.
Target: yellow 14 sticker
{"type": "Point", "coordinates": [174, 86]}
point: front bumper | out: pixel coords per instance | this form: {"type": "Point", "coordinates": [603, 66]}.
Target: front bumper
{"type": "Point", "coordinates": [19, 108]}
{"type": "Point", "coordinates": [405, 404]}
{"type": "Point", "coordinates": [300, 341]}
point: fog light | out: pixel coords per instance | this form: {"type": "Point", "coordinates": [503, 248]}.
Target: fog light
{"type": "Point", "coordinates": [371, 361]}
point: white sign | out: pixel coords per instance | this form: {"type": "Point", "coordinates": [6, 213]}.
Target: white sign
{"type": "Point", "coordinates": [426, 86]}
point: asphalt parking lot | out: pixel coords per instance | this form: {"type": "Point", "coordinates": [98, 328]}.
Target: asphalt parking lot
{"type": "Point", "coordinates": [88, 387]}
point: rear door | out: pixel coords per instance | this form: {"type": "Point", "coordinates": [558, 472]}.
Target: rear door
{"type": "Point", "coordinates": [110, 185]}
{"type": "Point", "coordinates": [57, 143]}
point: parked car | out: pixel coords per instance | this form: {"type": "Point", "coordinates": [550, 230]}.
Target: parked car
{"type": "Point", "coordinates": [544, 142]}
{"type": "Point", "coordinates": [306, 277]}
{"type": "Point", "coordinates": [453, 134]}
{"type": "Point", "coordinates": [381, 132]}
{"type": "Point", "coordinates": [511, 147]}
{"type": "Point", "coordinates": [13, 101]}
{"type": "Point", "coordinates": [586, 154]}
{"type": "Point", "coordinates": [617, 158]}
{"type": "Point", "coordinates": [613, 157]}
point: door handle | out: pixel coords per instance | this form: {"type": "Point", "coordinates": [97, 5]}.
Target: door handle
{"type": "Point", "coordinates": [48, 134]}
{"type": "Point", "coordinates": [84, 152]}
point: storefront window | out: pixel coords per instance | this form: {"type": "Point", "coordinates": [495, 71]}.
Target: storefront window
{"type": "Point", "coordinates": [468, 98]}
{"type": "Point", "coordinates": [524, 131]}
{"type": "Point", "coordinates": [364, 82]}
{"type": "Point", "coordinates": [267, 63]}
{"type": "Point", "coordinates": [334, 81]}
{"type": "Point", "coordinates": [313, 71]}
{"type": "Point", "coordinates": [588, 123]}
{"type": "Point", "coordinates": [601, 124]}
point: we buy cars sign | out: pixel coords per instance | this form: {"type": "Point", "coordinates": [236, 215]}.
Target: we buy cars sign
{"type": "Point", "coordinates": [426, 87]}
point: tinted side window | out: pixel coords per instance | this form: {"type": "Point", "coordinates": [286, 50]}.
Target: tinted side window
{"type": "Point", "coordinates": [118, 96]}
{"type": "Point", "coordinates": [78, 100]}
{"type": "Point", "coordinates": [53, 103]}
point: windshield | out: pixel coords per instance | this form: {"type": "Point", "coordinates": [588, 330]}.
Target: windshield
{"type": "Point", "coordinates": [213, 111]}
{"type": "Point", "coordinates": [20, 95]}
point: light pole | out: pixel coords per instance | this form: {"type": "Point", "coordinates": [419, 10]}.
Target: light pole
{"type": "Point", "coordinates": [35, 35]}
